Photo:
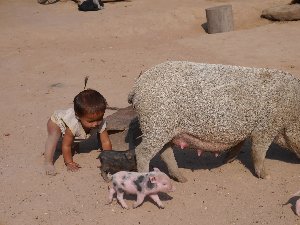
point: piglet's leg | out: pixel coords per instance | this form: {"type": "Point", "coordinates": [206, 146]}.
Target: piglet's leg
{"type": "Point", "coordinates": [139, 200]}
{"type": "Point", "coordinates": [111, 194]}
{"type": "Point", "coordinates": [157, 200]}
{"type": "Point", "coordinates": [121, 200]}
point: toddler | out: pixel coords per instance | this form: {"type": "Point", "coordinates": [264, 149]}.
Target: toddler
{"type": "Point", "coordinates": [77, 122]}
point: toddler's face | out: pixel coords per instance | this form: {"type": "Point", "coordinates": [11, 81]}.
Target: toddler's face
{"type": "Point", "coordinates": [91, 120]}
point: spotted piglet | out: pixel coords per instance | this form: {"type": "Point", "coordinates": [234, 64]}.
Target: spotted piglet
{"type": "Point", "coordinates": [141, 184]}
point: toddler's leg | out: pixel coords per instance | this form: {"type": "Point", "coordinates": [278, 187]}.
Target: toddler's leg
{"type": "Point", "coordinates": [54, 133]}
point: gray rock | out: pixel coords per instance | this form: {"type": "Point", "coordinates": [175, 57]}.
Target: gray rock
{"type": "Point", "coordinates": [282, 13]}
{"type": "Point", "coordinates": [123, 128]}
{"type": "Point", "coordinates": [121, 119]}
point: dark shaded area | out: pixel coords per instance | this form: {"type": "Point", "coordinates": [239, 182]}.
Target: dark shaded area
{"type": "Point", "coordinates": [80, 146]}
{"type": "Point", "coordinates": [115, 1]}
{"type": "Point", "coordinates": [295, 2]}
{"type": "Point", "coordinates": [204, 26]}
{"type": "Point", "coordinates": [292, 201]}
{"type": "Point", "coordinates": [189, 159]}
{"type": "Point", "coordinates": [163, 197]}
{"type": "Point", "coordinates": [89, 5]}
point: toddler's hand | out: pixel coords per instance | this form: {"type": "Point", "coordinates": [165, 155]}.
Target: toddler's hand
{"type": "Point", "coordinates": [72, 166]}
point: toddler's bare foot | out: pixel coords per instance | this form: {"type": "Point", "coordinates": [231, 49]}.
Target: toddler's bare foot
{"type": "Point", "coordinates": [49, 169]}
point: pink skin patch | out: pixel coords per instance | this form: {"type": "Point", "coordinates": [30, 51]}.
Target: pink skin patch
{"type": "Point", "coordinates": [199, 152]}
{"type": "Point", "coordinates": [298, 207]}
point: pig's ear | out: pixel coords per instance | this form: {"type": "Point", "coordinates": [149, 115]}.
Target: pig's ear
{"type": "Point", "coordinates": [156, 169]}
{"type": "Point", "coordinates": [152, 179]}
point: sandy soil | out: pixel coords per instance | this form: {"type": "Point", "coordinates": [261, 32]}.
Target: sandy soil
{"type": "Point", "coordinates": [47, 50]}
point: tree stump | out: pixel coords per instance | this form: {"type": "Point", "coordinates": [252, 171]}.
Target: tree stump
{"type": "Point", "coordinates": [219, 19]}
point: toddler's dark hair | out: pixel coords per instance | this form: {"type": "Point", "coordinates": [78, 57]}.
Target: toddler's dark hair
{"type": "Point", "coordinates": [89, 101]}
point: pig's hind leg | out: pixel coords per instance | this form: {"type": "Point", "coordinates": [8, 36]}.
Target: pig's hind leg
{"type": "Point", "coordinates": [139, 200]}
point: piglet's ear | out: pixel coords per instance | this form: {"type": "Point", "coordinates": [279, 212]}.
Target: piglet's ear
{"type": "Point", "coordinates": [156, 169]}
{"type": "Point", "coordinates": [152, 179]}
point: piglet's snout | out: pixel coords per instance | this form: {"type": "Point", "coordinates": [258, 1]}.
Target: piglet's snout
{"type": "Point", "coordinates": [172, 188]}
{"type": "Point", "coordinates": [167, 188]}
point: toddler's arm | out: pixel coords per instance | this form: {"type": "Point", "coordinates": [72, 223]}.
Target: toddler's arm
{"type": "Point", "coordinates": [67, 142]}
{"type": "Point", "coordinates": [105, 141]}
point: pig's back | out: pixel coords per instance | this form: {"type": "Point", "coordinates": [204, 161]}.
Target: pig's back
{"type": "Point", "coordinates": [219, 102]}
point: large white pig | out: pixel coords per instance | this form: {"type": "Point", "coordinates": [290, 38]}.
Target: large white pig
{"type": "Point", "coordinates": [214, 108]}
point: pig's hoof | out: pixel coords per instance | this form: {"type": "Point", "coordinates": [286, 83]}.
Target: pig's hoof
{"type": "Point", "coordinates": [267, 177]}
{"type": "Point", "coordinates": [135, 205]}
{"type": "Point", "coordinates": [262, 174]}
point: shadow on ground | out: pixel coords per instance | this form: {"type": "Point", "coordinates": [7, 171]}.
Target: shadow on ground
{"type": "Point", "coordinates": [189, 159]}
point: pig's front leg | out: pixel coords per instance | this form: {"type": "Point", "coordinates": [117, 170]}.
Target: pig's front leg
{"type": "Point", "coordinates": [143, 157]}
{"type": "Point", "coordinates": [169, 158]}
{"type": "Point", "coordinates": [139, 200]}
{"type": "Point", "coordinates": [260, 145]}
{"type": "Point", "coordinates": [157, 200]}
{"type": "Point", "coordinates": [121, 199]}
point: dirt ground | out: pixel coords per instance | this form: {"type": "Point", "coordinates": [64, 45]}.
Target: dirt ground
{"type": "Point", "coordinates": [47, 50]}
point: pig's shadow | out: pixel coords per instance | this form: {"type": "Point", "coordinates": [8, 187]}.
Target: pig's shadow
{"type": "Point", "coordinates": [163, 197]}
{"type": "Point", "coordinates": [189, 159]}
{"type": "Point", "coordinates": [275, 152]}
{"type": "Point", "coordinates": [292, 201]}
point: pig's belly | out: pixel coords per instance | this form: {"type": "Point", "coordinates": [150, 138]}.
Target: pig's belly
{"type": "Point", "coordinates": [189, 141]}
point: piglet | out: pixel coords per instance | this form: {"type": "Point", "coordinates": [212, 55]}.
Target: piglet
{"type": "Point", "coordinates": [141, 184]}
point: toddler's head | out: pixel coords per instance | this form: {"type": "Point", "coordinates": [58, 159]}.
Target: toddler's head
{"type": "Point", "coordinates": [89, 107]}
{"type": "Point", "coordinates": [89, 102]}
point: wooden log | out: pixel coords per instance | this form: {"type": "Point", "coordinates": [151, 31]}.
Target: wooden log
{"type": "Point", "coordinates": [219, 19]}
